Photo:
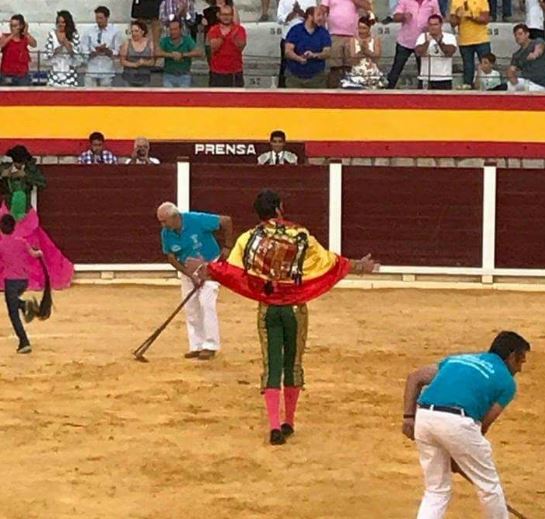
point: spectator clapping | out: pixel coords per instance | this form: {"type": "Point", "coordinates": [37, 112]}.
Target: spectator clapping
{"type": "Point", "coordinates": [63, 52]}
{"type": "Point", "coordinates": [14, 70]}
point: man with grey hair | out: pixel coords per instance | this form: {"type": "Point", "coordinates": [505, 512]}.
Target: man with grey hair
{"type": "Point", "coordinates": [192, 235]}
{"type": "Point", "coordinates": [140, 154]}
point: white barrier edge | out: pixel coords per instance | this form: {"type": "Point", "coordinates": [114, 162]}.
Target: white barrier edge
{"type": "Point", "coordinates": [335, 206]}
{"type": "Point", "coordinates": [489, 220]}
{"type": "Point", "coordinates": [183, 186]}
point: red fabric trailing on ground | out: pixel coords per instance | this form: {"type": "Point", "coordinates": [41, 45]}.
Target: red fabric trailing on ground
{"type": "Point", "coordinates": [253, 287]}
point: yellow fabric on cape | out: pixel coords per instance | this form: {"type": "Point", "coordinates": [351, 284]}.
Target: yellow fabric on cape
{"type": "Point", "coordinates": [318, 260]}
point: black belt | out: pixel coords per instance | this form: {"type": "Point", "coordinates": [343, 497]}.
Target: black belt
{"type": "Point", "coordinates": [443, 409]}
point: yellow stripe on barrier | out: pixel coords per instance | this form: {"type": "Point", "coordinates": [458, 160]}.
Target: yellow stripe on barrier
{"type": "Point", "coordinates": [309, 124]}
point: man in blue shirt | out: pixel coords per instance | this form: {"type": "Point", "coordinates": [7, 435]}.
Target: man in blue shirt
{"type": "Point", "coordinates": [465, 395]}
{"type": "Point", "coordinates": [308, 45]}
{"type": "Point", "coordinates": [191, 235]}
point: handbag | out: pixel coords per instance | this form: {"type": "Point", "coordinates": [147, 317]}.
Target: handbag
{"type": "Point", "coordinates": [146, 9]}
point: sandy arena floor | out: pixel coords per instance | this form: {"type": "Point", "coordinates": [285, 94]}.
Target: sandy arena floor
{"type": "Point", "coordinates": [86, 432]}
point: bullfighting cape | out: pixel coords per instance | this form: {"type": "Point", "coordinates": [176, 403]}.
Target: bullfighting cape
{"type": "Point", "coordinates": [279, 263]}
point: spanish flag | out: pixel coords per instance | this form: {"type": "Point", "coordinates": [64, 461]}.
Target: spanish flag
{"type": "Point", "coordinates": [279, 263]}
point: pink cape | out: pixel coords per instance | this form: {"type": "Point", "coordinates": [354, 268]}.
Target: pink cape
{"type": "Point", "coordinates": [60, 269]}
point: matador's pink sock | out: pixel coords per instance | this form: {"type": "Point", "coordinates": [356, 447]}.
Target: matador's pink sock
{"type": "Point", "coordinates": [272, 401]}
{"type": "Point", "coordinates": [291, 395]}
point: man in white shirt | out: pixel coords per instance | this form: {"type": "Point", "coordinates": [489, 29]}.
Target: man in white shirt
{"type": "Point", "coordinates": [278, 154]}
{"type": "Point", "coordinates": [534, 17]}
{"type": "Point", "coordinates": [435, 48]}
{"type": "Point", "coordinates": [140, 154]}
{"type": "Point", "coordinates": [101, 44]}
{"type": "Point", "coordinates": [290, 13]}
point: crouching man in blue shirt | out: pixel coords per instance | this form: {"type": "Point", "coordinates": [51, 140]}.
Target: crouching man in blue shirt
{"type": "Point", "coordinates": [191, 235]}
{"type": "Point", "coordinates": [465, 395]}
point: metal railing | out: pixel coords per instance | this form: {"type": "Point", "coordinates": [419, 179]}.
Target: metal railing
{"type": "Point", "coordinates": [260, 71]}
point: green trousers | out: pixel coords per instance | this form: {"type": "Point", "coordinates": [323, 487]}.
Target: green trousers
{"type": "Point", "coordinates": [283, 336]}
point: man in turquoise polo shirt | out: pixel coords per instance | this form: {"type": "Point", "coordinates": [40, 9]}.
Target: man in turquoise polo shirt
{"type": "Point", "coordinates": [177, 49]}
{"type": "Point", "coordinates": [465, 395]}
{"type": "Point", "coordinates": [191, 235]}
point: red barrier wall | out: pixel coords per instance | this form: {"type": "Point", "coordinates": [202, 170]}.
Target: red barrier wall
{"type": "Point", "coordinates": [231, 190]}
{"type": "Point", "coordinates": [413, 216]}
{"type": "Point", "coordinates": [520, 217]}
{"type": "Point", "coordinates": [106, 214]}
{"type": "Point", "coordinates": [405, 216]}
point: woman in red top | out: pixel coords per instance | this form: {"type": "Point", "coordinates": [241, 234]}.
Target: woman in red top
{"type": "Point", "coordinates": [15, 54]}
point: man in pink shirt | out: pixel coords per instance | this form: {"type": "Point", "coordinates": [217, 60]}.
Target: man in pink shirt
{"type": "Point", "coordinates": [342, 24]}
{"type": "Point", "coordinates": [413, 16]}
{"type": "Point", "coordinates": [14, 255]}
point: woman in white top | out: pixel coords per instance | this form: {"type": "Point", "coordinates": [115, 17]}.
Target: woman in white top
{"type": "Point", "coordinates": [63, 52]}
{"type": "Point", "coordinates": [366, 51]}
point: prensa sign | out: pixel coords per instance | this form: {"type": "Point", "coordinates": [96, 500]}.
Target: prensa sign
{"type": "Point", "coordinates": [225, 148]}
{"type": "Point", "coordinates": [221, 152]}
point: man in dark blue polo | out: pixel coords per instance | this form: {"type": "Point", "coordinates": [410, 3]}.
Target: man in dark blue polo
{"type": "Point", "coordinates": [308, 45]}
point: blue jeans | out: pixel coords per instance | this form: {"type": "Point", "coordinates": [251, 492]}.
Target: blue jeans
{"type": "Point", "coordinates": [13, 290]}
{"type": "Point", "coordinates": [401, 56]}
{"type": "Point", "coordinates": [172, 81]}
{"type": "Point", "coordinates": [506, 8]}
{"type": "Point", "coordinates": [443, 7]}
{"type": "Point", "coordinates": [468, 57]}
{"type": "Point", "coordinates": [15, 80]}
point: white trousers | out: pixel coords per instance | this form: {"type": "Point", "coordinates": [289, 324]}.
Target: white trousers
{"type": "Point", "coordinates": [201, 317]}
{"type": "Point", "coordinates": [442, 436]}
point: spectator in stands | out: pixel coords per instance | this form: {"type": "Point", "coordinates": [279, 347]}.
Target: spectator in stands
{"type": "Point", "coordinates": [148, 12]}
{"type": "Point", "coordinates": [183, 10]}
{"type": "Point", "coordinates": [342, 24]}
{"type": "Point", "coordinates": [413, 16]}
{"type": "Point", "coordinates": [63, 52]}
{"type": "Point", "coordinates": [137, 56]}
{"type": "Point", "coordinates": [290, 13]}
{"type": "Point", "coordinates": [534, 17]}
{"type": "Point", "coordinates": [487, 78]}
{"type": "Point", "coordinates": [177, 49]}
{"type": "Point", "coordinates": [435, 49]}
{"type": "Point", "coordinates": [96, 154]}
{"type": "Point", "coordinates": [140, 154]}
{"type": "Point", "coordinates": [308, 45]}
{"type": "Point", "coordinates": [14, 70]}
{"type": "Point", "coordinates": [227, 41]}
{"type": "Point", "coordinates": [101, 44]}
{"type": "Point", "coordinates": [210, 17]}
{"type": "Point", "coordinates": [527, 70]}
{"type": "Point", "coordinates": [471, 17]}
{"type": "Point", "coordinates": [265, 4]}
{"type": "Point", "coordinates": [365, 51]}
{"type": "Point", "coordinates": [278, 154]}
{"type": "Point", "coordinates": [506, 7]}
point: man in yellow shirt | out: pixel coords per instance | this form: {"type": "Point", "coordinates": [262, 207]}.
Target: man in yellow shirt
{"type": "Point", "coordinates": [471, 17]}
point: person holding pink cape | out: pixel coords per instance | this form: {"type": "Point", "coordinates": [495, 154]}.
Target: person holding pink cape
{"type": "Point", "coordinates": [17, 180]}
